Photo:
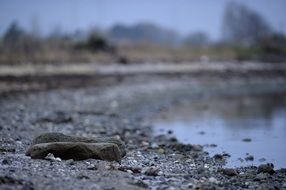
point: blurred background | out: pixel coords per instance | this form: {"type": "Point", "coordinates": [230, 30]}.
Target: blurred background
{"type": "Point", "coordinates": [128, 31]}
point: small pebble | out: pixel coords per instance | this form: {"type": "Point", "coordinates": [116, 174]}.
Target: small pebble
{"type": "Point", "coordinates": [240, 159]}
{"type": "Point", "coordinates": [266, 168]}
{"type": "Point", "coordinates": [154, 145]}
{"type": "Point", "coordinates": [92, 167]}
{"type": "Point", "coordinates": [152, 171]}
{"type": "Point", "coordinates": [161, 151]}
{"type": "Point", "coordinates": [190, 185]}
{"type": "Point", "coordinates": [229, 171]}
{"type": "Point", "coordinates": [213, 180]}
{"type": "Point", "coordinates": [129, 171]}
{"type": "Point", "coordinates": [144, 143]}
{"type": "Point", "coordinates": [51, 157]}
{"type": "Point", "coordinates": [262, 160]}
{"type": "Point", "coordinates": [218, 157]}
{"type": "Point", "coordinates": [246, 140]}
{"type": "Point", "coordinates": [170, 132]}
{"type": "Point", "coordinates": [249, 158]}
{"type": "Point", "coordinates": [6, 161]}
{"type": "Point", "coordinates": [213, 145]}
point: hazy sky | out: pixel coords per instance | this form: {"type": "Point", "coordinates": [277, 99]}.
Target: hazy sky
{"type": "Point", "coordinates": [185, 16]}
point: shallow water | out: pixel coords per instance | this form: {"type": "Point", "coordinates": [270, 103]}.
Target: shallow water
{"type": "Point", "coordinates": [226, 121]}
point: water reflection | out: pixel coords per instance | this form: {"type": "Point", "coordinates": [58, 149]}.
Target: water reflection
{"type": "Point", "coordinates": [227, 121]}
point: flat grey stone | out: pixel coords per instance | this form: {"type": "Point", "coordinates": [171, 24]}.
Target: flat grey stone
{"type": "Point", "coordinates": [60, 137]}
{"type": "Point", "coordinates": [76, 151]}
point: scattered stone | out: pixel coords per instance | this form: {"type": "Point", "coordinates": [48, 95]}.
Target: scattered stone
{"type": "Point", "coordinates": [92, 167]}
{"type": "Point", "coordinates": [82, 176]}
{"type": "Point", "coordinates": [199, 185]}
{"type": "Point", "coordinates": [213, 180]}
{"type": "Point", "coordinates": [160, 173]}
{"type": "Point", "coordinates": [129, 171]}
{"type": "Point", "coordinates": [266, 168]}
{"type": "Point", "coordinates": [76, 151]}
{"type": "Point", "coordinates": [170, 132]}
{"type": "Point", "coordinates": [161, 151]}
{"type": "Point", "coordinates": [6, 161]}
{"type": "Point", "coordinates": [190, 185]}
{"type": "Point", "coordinates": [218, 157]}
{"type": "Point", "coordinates": [140, 183]}
{"type": "Point", "coordinates": [133, 169]}
{"type": "Point", "coordinates": [51, 157]}
{"type": "Point", "coordinates": [144, 143]}
{"type": "Point", "coordinates": [185, 147]}
{"type": "Point", "coordinates": [70, 162]}
{"type": "Point", "coordinates": [213, 145]}
{"type": "Point", "coordinates": [261, 159]}
{"type": "Point", "coordinates": [249, 158]}
{"type": "Point", "coordinates": [154, 145]}
{"type": "Point", "coordinates": [246, 140]}
{"type": "Point", "coordinates": [152, 171]}
{"type": "Point", "coordinates": [173, 139]}
{"type": "Point", "coordinates": [155, 158]}
{"type": "Point", "coordinates": [226, 155]}
{"type": "Point", "coordinates": [229, 171]}
{"type": "Point", "coordinates": [197, 148]}
{"type": "Point", "coordinates": [202, 133]}
{"type": "Point", "coordinates": [206, 166]}
{"type": "Point", "coordinates": [201, 170]}
{"type": "Point", "coordinates": [240, 159]}
{"type": "Point", "coordinates": [177, 156]}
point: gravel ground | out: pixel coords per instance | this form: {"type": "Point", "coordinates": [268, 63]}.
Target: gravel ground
{"type": "Point", "coordinates": [124, 109]}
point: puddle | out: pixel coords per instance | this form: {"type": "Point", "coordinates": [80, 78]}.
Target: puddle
{"type": "Point", "coordinates": [226, 121]}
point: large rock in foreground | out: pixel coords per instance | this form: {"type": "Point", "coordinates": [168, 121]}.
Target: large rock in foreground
{"type": "Point", "coordinates": [77, 148]}
{"type": "Point", "coordinates": [59, 137]}
{"type": "Point", "coordinates": [76, 151]}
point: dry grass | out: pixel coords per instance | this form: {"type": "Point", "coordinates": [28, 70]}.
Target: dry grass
{"type": "Point", "coordinates": [54, 56]}
{"type": "Point", "coordinates": [142, 53]}
{"type": "Point", "coordinates": [133, 53]}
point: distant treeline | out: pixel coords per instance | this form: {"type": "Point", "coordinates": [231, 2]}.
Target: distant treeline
{"type": "Point", "coordinates": [246, 35]}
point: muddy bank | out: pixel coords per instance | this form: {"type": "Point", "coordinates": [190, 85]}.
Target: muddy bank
{"type": "Point", "coordinates": [18, 79]}
{"type": "Point", "coordinates": [123, 109]}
